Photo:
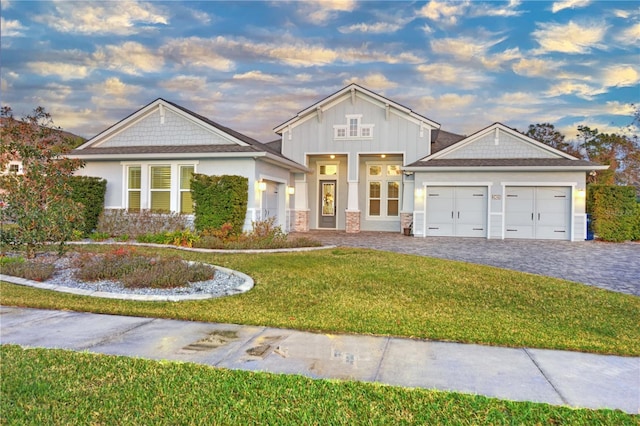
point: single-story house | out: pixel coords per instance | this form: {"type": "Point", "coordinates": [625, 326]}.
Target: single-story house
{"type": "Point", "coordinates": [354, 161]}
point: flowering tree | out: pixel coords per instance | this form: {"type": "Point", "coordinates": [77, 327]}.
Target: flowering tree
{"type": "Point", "coordinates": [37, 199]}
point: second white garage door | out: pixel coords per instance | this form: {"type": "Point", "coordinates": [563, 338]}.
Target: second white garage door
{"type": "Point", "coordinates": [538, 212]}
{"type": "Point", "coordinates": [456, 211]}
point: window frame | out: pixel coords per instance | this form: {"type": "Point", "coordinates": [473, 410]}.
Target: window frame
{"type": "Point", "coordinates": [146, 190]}
{"type": "Point", "coordinates": [353, 129]}
{"type": "Point", "coordinates": [384, 178]}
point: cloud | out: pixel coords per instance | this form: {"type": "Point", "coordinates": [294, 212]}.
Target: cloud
{"type": "Point", "coordinates": [443, 12]}
{"type": "Point", "coordinates": [569, 38]}
{"type": "Point", "coordinates": [447, 102]}
{"type": "Point", "coordinates": [496, 9]}
{"type": "Point", "coordinates": [469, 49]}
{"type": "Point", "coordinates": [256, 76]}
{"type": "Point", "coordinates": [620, 76]}
{"type": "Point", "coordinates": [185, 83]}
{"type": "Point", "coordinates": [63, 70]}
{"type": "Point", "coordinates": [11, 28]}
{"type": "Point", "coordinates": [320, 12]}
{"type": "Point", "coordinates": [216, 53]}
{"type": "Point", "coordinates": [580, 90]}
{"type": "Point", "coordinates": [373, 81]}
{"type": "Point", "coordinates": [198, 52]}
{"type": "Point", "coordinates": [536, 67]}
{"type": "Point", "coordinates": [121, 17]}
{"type": "Point", "coordinates": [375, 28]}
{"type": "Point", "coordinates": [447, 74]}
{"type": "Point", "coordinates": [630, 36]}
{"type": "Point", "coordinates": [130, 58]}
{"type": "Point", "coordinates": [569, 4]}
{"type": "Point", "coordinates": [54, 93]}
{"type": "Point", "coordinates": [113, 93]}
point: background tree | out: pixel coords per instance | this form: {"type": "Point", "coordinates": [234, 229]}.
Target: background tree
{"type": "Point", "coordinates": [547, 134]}
{"type": "Point", "coordinates": [621, 152]}
{"type": "Point", "coordinates": [38, 200]}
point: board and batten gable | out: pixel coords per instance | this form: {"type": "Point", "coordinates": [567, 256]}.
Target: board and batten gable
{"type": "Point", "coordinates": [392, 132]}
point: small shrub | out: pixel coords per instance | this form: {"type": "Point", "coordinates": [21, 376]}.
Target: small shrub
{"type": "Point", "coordinates": [99, 236]}
{"type": "Point", "coordinates": [36, 271]}
{"type": "Point", "coordinates": [264, 235]}
{"type": "Point", "coordinates": [123, 238]}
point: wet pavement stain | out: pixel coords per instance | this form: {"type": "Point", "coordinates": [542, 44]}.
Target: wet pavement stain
{"type": "Point", "coordinates": [265, 345]}
{"type": "Point", "coordinates": [213, 340]}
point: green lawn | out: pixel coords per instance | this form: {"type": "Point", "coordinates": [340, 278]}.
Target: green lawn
{"type": "Point", "coordinates": [348, 290]}
{"type": "Point", "coordinates": [42, 386]}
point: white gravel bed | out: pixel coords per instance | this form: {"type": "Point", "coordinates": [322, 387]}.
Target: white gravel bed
{"type": "Point", "coordinates": [222, 284]}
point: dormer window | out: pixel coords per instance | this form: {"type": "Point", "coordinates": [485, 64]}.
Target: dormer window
{"type": "Point", "coordinates": [354, 129]}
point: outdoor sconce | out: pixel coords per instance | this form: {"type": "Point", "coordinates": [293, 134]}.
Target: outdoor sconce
{"type": "Point", "coordinates": [581, 193]}
{"type": "Point", "coordinates": [262, 186]}
{"type": "Point", "coordinates": [419, 192]}
{"type": "Point", "coordinates": [291, 190]}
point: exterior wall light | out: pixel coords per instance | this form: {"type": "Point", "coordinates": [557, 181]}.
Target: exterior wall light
{"type": "Point", "coordinates": [262, 186]}
{"type": "Point", "coordinates": [291, 190]}
{"type": "Point", "coordinates": [581, 193]}
{"type": "Point", "coordinates": [419, 192]}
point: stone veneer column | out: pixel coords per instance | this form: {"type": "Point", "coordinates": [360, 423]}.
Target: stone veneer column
{"type": "Point", "coordinates": [406, 219]}
{"type": "Point", "coordinates": [302, 221]}
{"type": "Point", "coordinates": [353, 222]}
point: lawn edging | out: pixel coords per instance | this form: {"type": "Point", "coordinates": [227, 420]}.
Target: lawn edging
{"type": "Point", "coordinates": [246, 285]}
{"type": "Point", "coordinates": [204, 250]}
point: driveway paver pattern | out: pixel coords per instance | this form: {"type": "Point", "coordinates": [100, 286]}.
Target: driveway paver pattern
{"type": "Point", "coordinates": [612, 266]}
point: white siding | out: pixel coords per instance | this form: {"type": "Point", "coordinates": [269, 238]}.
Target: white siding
{"type": "Point", "coordinates": [394, 135]}
{"type": "Point", "coordinates": [113, 173]}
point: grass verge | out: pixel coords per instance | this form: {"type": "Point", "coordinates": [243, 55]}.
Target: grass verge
{"type": "Point", "coordinates": [43, 386]}
{"type": "Point", "coordinates": [348, 290]}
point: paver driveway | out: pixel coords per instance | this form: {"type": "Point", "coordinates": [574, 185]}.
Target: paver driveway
{"type": "Point", "coordinates": [613, 266]}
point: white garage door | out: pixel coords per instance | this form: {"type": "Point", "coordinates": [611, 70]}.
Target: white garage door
{"type": "Point", "coordinates": [538, 212]}
{"type": "Point", "coordinates": [457, 211]}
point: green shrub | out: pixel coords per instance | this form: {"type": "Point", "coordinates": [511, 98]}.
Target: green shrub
{"type": "Point", "coordinates": [219, 200]}
{"type": "Point", "coordinates": [99, 236]}
{"type": "Point", "coordinates": [117, 223]}
{"type": "Point", "coordinates": [614, 212]}
{"type": "Point", "coordinates": [90, 192]}
{"type": "Point", "coordinates": [184, 238]}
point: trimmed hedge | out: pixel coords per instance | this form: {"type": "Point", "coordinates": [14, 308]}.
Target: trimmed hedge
{"type": "Point", "coordinates": [219, 200]}
{"type": "Point", "coordinates": [90, 192]}
{"type": "Point", "coordinates": [615, 213]}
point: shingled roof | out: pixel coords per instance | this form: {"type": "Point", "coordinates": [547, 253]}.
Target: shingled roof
{"type": "Point", "coordinates": [505, 162]}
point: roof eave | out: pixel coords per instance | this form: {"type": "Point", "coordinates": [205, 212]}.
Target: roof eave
{"type": "Point", "coordinates": [501, 168]}
{"type": "Point", "coordinates": [167, 155]}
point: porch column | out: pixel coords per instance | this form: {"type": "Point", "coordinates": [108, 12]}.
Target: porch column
{"type": "Point", "coordinates": [406, 213]}
{"type": "Point", "coordinates": [301, 206]}
{"type": "Point", "coordinates": [352, 225]}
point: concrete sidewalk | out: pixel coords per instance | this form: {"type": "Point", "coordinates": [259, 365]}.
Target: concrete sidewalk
{"type": "Point", "coordinates": [555, 377]}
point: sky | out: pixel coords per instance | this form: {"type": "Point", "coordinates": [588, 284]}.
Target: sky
{"type": "Point", "coordinates": [253, 65]}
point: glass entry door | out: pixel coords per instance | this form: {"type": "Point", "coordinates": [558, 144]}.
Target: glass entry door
{"type": "Point", "coordinates": [327, 201]}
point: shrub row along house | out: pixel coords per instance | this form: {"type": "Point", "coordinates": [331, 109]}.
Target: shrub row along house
{"type": "Point", "coordinates": [354, 161]}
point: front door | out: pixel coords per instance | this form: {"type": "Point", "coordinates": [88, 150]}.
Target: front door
{"type": "Point", "coordinates": [327, 201]}
{"type": "Point", "coordinates": [270, 202]}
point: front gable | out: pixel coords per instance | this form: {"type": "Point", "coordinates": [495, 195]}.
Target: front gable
{"type": "Point", "coordinates": [499, 142]}
{"type": "Point", "coordinates": [161, 123]}
{"type": "Point", "coordinates": [356, 121]}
